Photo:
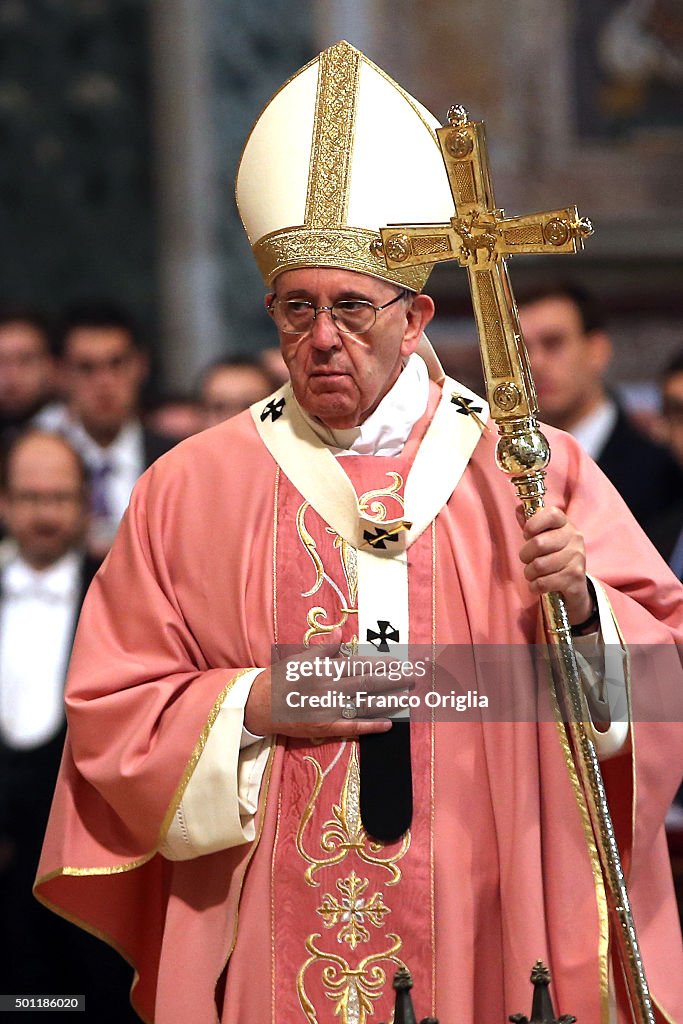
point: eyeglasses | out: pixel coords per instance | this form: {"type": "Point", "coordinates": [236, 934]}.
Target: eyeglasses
{"type": "Point", "coordinates": [350, 316]}
{"type": "Point", "coordinates": [90, 367]}
{"type": "Point", "coordinates": [36, 499]}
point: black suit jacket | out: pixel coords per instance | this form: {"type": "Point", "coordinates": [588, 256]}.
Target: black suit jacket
{"type": "Point", "coordinates": [645, 474]}
{"type": "Point", "coordinates": [155, 445]}
{"type": "Point", "coordinates": [666, 528]}
{"type": "Point", "coordinates": [27, 777]}
{"type": "Point", "coordinates": [42, 953]}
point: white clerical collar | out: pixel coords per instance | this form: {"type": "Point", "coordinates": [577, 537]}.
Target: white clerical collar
{"type": "Point", "coordinates": [59, 582]}
{"type": "Point", "coordinates": [593, 430]}
{"type": "Point", "coordinates": [387, 429]}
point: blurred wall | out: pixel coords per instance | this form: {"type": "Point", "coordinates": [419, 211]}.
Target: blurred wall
{"type": "Point", "coordinates": [76, 198]}
{"type": "Point", "coordinates": [122, 122]}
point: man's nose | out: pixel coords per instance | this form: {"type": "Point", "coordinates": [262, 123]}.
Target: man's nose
{"type": "Point", "coordinates": [324, 332]}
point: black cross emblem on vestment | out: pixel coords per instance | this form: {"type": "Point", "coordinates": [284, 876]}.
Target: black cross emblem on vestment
{"type": "Point", "coordinates": [386, 632]}
{"type": "Point", "coordinates": [465, 406]}
{"type": "Point", "coordinates": [273, 409]}
{"type": "Point", "coordinates": [379, 538]}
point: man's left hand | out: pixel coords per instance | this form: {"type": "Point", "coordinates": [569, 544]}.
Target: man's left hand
{"type": "Point", "coordinates": [554, 560]}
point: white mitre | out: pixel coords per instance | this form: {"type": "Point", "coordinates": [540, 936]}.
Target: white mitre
{"type": "Point", "coordinates": [340, 151]}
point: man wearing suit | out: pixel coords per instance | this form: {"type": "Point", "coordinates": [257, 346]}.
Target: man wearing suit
{"type": "Point", "coordinates": [570, 351]}
{"type": "Point", "coordinates": [44, 574]}
{"type": "Point", "coordinates": [27, 368]}
{"type": "Point", "coordinates": [104, 368]}
{"type": "Point", "coordinates": [667, 528]}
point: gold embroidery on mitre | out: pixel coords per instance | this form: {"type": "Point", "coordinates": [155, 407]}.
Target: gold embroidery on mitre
{"type": "Point", "coordinates": [343, 832]}
{"type": "Point", "coordinates": [353, 990]}
{"type": "Point", "coordinates": [341, 246]}
{"type": "Point", "coordinates": [332, 145]}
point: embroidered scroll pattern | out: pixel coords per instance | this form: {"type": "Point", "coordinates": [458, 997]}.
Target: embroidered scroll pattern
{"type": "Point", "coordinates": [352, 911]}
{"type": "Point", "coordinates": [370, 506]}
{"type": "Point", "coordinates": [317, 626]}
{"type": "Point", "coordinates": [353, 914]}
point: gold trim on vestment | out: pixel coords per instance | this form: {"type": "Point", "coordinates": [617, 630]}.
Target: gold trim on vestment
{"type": "Point", "coordinates": [348, 558]}
{"type": "Point", "coordinates": [263, 801]}
{"type": "Point", "coordinates": [352, 988]}
{"type": "Point", "coordinates": [118, 869]}
{"type": "Point", "coordinates": [372, 508]}
{"type": "Point", "coordinates": [343, 832]}
{"type": "Point", "coordinates": [432, 773]}
{"type": "Point", "coordinates": [273, 961]}
{"type": "Point", "coordinates": [276, 504]}
{"type": "Point", "coordinates": [596, 867]}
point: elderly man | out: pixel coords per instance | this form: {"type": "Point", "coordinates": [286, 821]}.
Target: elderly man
{"type": "Point", "coordinates": [245, 859]}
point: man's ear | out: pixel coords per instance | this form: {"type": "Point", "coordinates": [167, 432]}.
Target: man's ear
{"type": "Point", "coordinates": [600, 350]}
{"type": "Point", "coordinates": [418, 315]}
{"type": "Point", "coordinates": [268, 299]}
{"type": "Point", "coordinates": [142, 365]}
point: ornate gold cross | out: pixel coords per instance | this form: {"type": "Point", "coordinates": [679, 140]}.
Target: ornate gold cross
{"type": "Point", "coordinates": [480, 238]}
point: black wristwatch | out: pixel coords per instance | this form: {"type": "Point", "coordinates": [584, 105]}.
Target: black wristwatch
{"type": "Point", "coordinates": [593, 619]}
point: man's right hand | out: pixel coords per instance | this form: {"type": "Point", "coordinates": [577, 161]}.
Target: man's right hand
{"type": "Point", "coordinates": [258, 713]}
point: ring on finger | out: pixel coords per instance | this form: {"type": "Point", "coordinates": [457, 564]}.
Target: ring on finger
{"type": "Point", "coordinates": [350, 709]}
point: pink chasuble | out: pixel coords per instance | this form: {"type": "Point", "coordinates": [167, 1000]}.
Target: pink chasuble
{"type": "Point", "coordinates": [500, 869]}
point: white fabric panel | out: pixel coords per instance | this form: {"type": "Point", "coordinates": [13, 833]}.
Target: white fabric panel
{"type": "Point", "coordinates": [397, 173]}
{"type": "Point", "coordinates": [611, 742]}
{"type": "Point", "coordinates": [272, 181]}
{"type": "Point", "coordinates": [214, 813]}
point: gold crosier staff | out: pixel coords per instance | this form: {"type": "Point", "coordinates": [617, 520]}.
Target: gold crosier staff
{"type": "Point", "coordinates": [480, 238]}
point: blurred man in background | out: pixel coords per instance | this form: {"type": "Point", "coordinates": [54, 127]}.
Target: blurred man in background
{"type": "Point", "coordinates": [44, 574]}
{"type": "Point", "coordinates": [104, 368]}
{"type": "Point", "coordinates": [27, 369]}
{"type": "Point", "coordinates": [570, 352]}
{"type": "Point", "coordinates": [230, 385]}
{"type": "Point", "coordinates": [667, 527]}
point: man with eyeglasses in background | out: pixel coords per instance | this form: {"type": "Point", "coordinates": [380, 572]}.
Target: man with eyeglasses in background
{"type": "Point", "coordinates": [260, 865]}
{"type": "Point", "coordinates": [103, 369]}
{"type": "Point", "coordinates": [44, 575]}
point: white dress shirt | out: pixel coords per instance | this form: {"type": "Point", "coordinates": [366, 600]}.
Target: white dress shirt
{"type": "Point", "coordinates": [593, 431]}
{"type": "Point", "coordinates": [124, 460]}
{"type": "Point", "coordinates": [37, 615]}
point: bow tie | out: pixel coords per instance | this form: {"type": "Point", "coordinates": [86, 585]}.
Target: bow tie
{"type": "Point", "coordinates": [23, 583]}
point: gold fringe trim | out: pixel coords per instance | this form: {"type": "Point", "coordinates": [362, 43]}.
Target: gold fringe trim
{"type": "Point", "coordinates": [600, 896]}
